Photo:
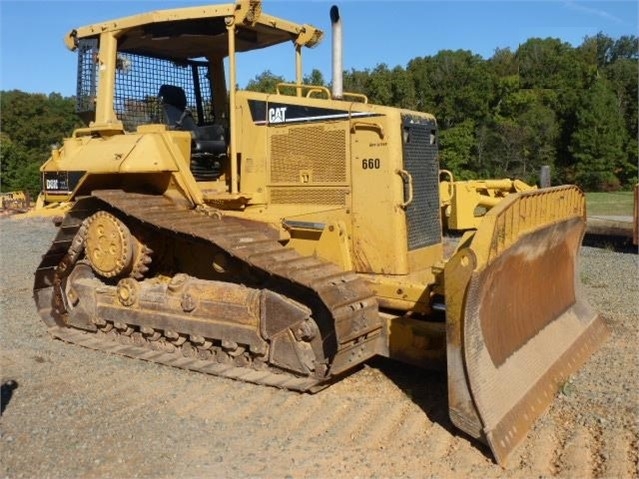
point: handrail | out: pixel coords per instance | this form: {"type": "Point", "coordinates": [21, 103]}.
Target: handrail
{"type": "Point", "coordinates": [408, 178]}
{"type": "Point", "coordinates": [311, 88]}
{"type": "Point", "coordinates": [361, 96]}
{"type": "Point", "coordinates": [370, 125]}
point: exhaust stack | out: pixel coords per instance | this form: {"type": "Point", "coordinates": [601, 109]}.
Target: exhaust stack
{"type": "Point", "coordinates": [336, 22]}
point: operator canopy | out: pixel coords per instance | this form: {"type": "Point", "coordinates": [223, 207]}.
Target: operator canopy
{"type": "Point", "coordinates": [201, 31]}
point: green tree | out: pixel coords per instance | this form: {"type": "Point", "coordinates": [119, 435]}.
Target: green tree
{"type": "Point", "coordinates": [457, 150]}
{"type": "Point", "coordinates": [454, 85]}
{"type": "Point", "coordinates": [37, 121]}
{"type": "Point", "coordinates": [12, 160]}
{"type": "Point", "coordinates": [265, 82]}
{"type": "Point", "coordinates": [625, 47]}
{"type": "Point", "coordinates": [16, 171]}
{"type": "Point", "coordinates": [597, 144]}
{"type": "Point", "coordinates": [541, 129]}
{"type": "Point", "coordinates": [506, 145]}
{"type": "Point", "coordinates": [380, 85]}
{"type": "Point", "coordinates": [403, 89]}
{"type": "Point", "coordinates": [550, 63]}
{"type": "Point", "coordinates": [315, 78]}
{"type": "Point", "coordinates": [524, 132]}
{"type": "Point", "coordinates": [597, 50]}
{"type": "Point", "coordinates": [420, 71]}
{"type": "Point", "coordinates": [356, 81]}
{"type": "Point", "coordinates": [504, 63]}
{"type": "Point", "coordinates": [31, 124]}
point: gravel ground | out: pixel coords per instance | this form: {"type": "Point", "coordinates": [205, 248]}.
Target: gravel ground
{"type": "Point", "coordinates": [75, 412]}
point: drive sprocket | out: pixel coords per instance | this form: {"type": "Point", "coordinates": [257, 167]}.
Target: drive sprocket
{"type": "Point", "coordinates": [112, 250]}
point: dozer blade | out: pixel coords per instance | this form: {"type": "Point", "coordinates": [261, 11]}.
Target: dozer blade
{"type": "Point", "coordinates": [517, 326]}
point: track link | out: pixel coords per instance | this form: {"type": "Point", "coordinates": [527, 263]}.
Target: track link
{"type": "Point", "coordinates": [110, 344]}
{"type": "Point", "coordinates": [343, 306]}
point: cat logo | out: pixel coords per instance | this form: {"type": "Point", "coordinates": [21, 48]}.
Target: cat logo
{"type": "Point", "coordinates": [277, 115]}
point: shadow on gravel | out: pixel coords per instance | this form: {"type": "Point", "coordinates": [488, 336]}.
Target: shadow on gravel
{"type": "Point", "coordinates": [6, 392]}
{"type": "Point", "coordinates": [429, 390]}
{"type": "Point", "coordinates": [610, 243]}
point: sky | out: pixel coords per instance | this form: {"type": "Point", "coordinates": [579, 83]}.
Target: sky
{"type": "Point", "coordinates": [33, 57]}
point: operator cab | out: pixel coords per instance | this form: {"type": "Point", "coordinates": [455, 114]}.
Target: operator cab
{"type": "Point", "coordinates": [167, 67]}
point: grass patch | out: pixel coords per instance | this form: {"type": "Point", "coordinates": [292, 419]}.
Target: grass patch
{"type": "Point", "coordinates": [619, 203]}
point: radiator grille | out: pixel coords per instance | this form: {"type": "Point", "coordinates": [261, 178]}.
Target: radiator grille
{"type": "Point", "coordinates": [309, 195]}
{"type": "Point", "coordinates": [420, 160]}
{"type": "Point", "coordinates": [312, 153]}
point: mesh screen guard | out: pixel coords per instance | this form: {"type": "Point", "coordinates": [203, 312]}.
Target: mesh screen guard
{"type": "Point", "coordinates": [138, 79]}
{"type": "Point", "coordinates": [87, 75]}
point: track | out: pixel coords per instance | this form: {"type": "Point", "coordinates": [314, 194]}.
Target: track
{"type": "Point", "coordinates": [342, 305]}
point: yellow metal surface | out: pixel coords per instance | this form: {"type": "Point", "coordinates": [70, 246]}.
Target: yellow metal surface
{"type": "Point", "coordinates": [377, 194]}
{"type": "Point", "coordinates": [525, 213]}
{"type": "Point", "coordinates": [268, 30]}
{"type": "Point", "coordinates": [410, 292]}
{"type": "Point", "coordinates": [328, 241]}
{"type": "Point", "coordinates": [14, 200]}
{"type": "Point", "coordinates": [464, 203]}
{"type": "Point", "coordinates": [144, 156]}
{"type": "Point", "coordinates": [417, 342]}
{"type": "Point", "coordinates": [105, 116]}
{"type": "Point", "coordinates": [301, 168]}
{"type": "Point", "coordinates": [43, 209]}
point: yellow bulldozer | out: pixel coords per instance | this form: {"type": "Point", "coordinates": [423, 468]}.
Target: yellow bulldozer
{"type": "Point", "coordinates": [285, 238]}
{"type": "Point", "coordinates": [14, 201]}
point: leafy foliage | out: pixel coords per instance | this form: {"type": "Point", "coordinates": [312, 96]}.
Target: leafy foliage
{"type": "Point", "coordinates": [598, 140]}
{"type": "Point", "coordinates": [265, 82]}
{"type": "Point", "coordinates": [31, 125]}
{"type": "Point", "coordinates": [548, 103]}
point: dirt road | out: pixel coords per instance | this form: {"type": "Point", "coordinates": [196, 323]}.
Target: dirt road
{"type": "Point", "coordinates": [81, 413]}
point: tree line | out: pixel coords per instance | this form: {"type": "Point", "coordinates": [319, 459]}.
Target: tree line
{"type": "Point", "coordinates": [32, 123]}
{"type": "Point", "coordinates": [546, 103]}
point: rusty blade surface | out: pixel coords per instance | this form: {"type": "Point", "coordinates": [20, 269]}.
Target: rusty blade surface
{"type": "Point", "coordinates": [526, 328]}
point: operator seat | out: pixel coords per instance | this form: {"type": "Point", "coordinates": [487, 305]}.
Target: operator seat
{"type": "Point", "coordinates": [208, 144]}
{"type": "Point", "coordinates": [176, 114]}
